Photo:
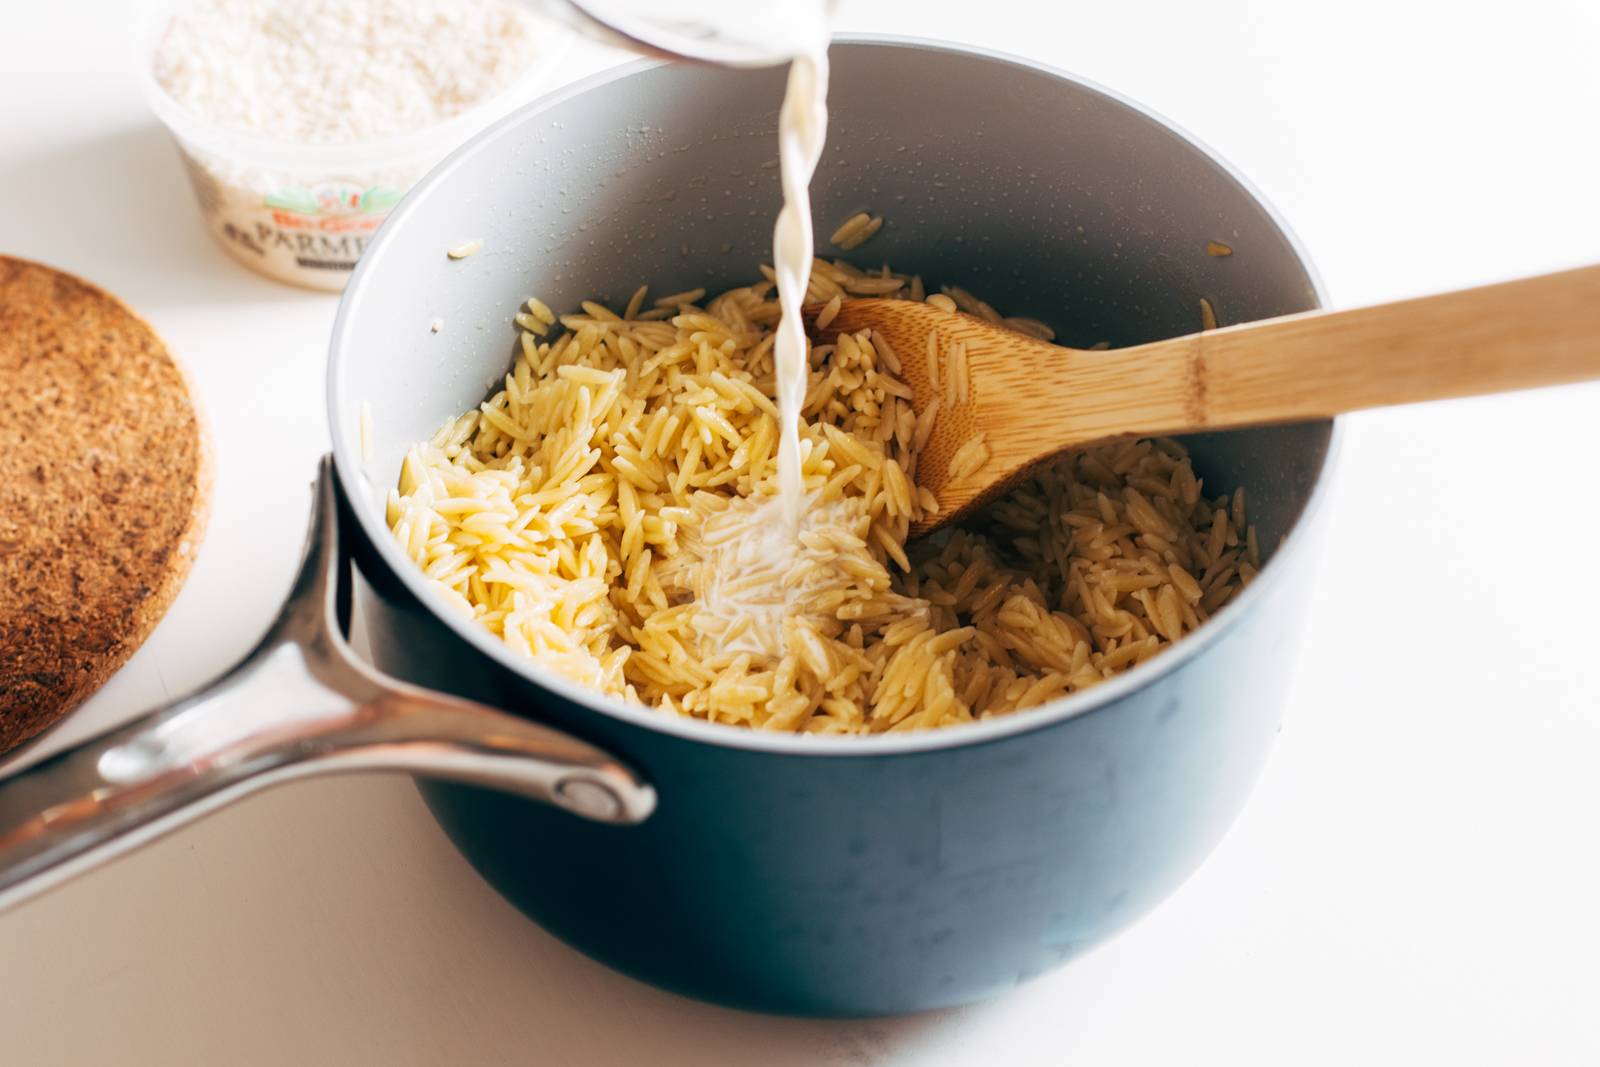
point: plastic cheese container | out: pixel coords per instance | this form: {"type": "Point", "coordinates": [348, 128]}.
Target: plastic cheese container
{"type": "Point", "coordinates": [304, 213]}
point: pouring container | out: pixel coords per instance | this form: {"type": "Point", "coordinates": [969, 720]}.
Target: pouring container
{"type": "Point", "coordinates": [808, 875]}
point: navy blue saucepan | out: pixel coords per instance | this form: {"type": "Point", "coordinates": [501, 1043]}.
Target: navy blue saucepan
{"type": "Point", "coordinates": [812, 875]}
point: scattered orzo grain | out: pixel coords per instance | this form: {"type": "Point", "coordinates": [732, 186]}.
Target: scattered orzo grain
{"type": "Point", "coordinates": [856, 230]}
{"type": "Point", "coordinates": [970, 457]}
{"type": "Point", "coordinates": [677, 300]}
{"type": "Point", "coordinates": [965, 301]}
{"type": "Point", "coordinates": [1032, 327]}
{"type": "Point", "coordinates": [829, 310]}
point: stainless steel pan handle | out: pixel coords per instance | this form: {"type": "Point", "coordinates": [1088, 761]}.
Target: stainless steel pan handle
{"type": "Point", "coordinates": [300, 704]}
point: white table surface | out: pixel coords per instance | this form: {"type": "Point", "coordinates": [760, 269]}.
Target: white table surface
{"type": "Point", "coordinates": [1416, 879]}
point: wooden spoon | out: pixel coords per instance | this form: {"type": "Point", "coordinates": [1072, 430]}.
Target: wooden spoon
{"type": "Point", "coordinates": [1032, 400]}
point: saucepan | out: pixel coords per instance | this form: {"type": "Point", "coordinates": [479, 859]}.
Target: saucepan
{"type": "Point", "coordinates": [836, 876]}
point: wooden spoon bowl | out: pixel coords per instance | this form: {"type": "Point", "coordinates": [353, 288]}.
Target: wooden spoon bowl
{"type": "Point", "coordinates": [1024, 401]}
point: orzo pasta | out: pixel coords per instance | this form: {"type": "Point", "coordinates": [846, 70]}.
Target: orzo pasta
{"type": "Point", "coordinates": [607, 513]}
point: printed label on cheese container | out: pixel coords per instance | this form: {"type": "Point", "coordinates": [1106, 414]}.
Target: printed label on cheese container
{"type": "Point", "coordinates": [311, 234]}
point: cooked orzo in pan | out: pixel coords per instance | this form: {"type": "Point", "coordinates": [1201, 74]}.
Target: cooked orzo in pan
{"type": "Point", "coordinates": [608, 513]}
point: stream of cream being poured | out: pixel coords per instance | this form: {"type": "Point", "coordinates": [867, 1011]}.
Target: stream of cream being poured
{"type": "Point", "coordinates": [755, 571]}
{"type": "Point", "coordinates": [802, 127]}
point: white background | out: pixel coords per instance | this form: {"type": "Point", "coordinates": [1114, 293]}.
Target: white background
{"type": "Point", "coordinates": [1416, 879]}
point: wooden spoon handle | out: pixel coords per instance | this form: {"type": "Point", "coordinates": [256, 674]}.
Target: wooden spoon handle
{"type": "Point", "coordinates": [1516, 335]}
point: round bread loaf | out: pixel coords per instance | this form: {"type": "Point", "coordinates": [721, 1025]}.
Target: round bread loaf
{"type": "Point", "coordinates": [105, 483]}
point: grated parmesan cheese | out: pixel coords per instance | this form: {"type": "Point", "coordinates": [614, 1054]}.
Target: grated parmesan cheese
{"type": "Point", "coordinates": [341, 71]}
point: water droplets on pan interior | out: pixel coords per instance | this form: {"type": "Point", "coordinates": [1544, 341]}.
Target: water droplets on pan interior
{"type": "Point", "coordinates": [687, 506]}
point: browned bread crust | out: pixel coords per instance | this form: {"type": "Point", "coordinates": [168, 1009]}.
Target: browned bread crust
{"type": "Point", "coordinates": [105, 487]}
